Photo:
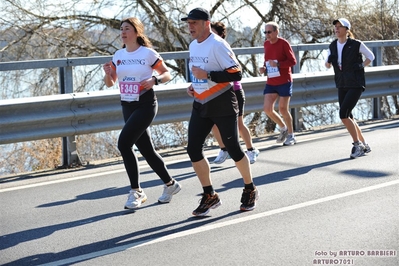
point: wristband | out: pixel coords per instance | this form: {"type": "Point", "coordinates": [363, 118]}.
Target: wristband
{"type": "Point", "coordinates": [157, 81]}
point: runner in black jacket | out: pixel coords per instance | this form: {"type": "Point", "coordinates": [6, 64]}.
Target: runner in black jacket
{"type": "Point", "coordinates": [345, 54]}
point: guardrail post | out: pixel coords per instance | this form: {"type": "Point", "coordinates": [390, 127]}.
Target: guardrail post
{"type": "Point", "coordinates": [377, 102]}
{"type": "Point", "coordinates": [377, 106]}
{"type": "Point", "coordinates": [297, 119]}
{"type": "Point", "coordinates": [188, 77]}
{"type": "Point", "coordinates": [70, 155]}
{"type": "Point", "coordinates": [296, 68]}
{"type": "Point", "coordinates": [296, 113]}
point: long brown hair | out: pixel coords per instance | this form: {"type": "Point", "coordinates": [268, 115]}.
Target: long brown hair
{"type": "Point", "coordinates": [142, 39]}
{"type": "Point", "coordinates": [220, 28]}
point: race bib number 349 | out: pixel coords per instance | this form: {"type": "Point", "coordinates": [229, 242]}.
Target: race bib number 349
{"type": "Point", "coordinates": [129, 89]}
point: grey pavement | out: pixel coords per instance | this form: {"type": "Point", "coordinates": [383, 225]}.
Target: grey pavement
{"type": "Point", "coordinates": [316, 207]}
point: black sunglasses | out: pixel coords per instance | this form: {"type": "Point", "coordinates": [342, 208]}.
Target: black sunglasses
{"type": "Point", "coordinates": [268, 32]}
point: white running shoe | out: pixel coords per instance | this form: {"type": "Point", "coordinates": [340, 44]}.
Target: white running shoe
{"type": "Point", "coordinates": [290, 140]}
{"type": "Point", "coordinates": [367, 148]}
{"type": "Point", "coordinates": [168, 192]}
{"type": "Point", "coordinates": [252, 155]}
{"type": "Point", "coordinates": [135, 199]}
{"type": "Point", "coordinates": [283, 135]}
{"type": "Point", "coordinates": [357, 150]}
{"type": "Point", "coordinates": [222, 156]}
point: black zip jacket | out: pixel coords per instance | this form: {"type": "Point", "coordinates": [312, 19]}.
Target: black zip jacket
{"type": "Point", "coordinates": [352, 73]}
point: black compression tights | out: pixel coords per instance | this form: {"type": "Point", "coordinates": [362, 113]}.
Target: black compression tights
{"type": "Point", "coordinates": [348, 99]}
{"type": "Point", "coordinates": [137, 120]}
{"type": "Point", "coordinates": [199, 128]}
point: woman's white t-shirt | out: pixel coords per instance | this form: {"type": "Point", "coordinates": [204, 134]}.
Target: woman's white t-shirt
{"type": "Point", "coordinates": [132, 68]}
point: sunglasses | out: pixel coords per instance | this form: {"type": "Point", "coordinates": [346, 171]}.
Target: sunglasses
{"type": "Point", "coordinates": [268, 32]}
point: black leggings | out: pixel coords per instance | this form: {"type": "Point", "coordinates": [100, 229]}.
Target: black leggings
{"type": "Point", "coordinates": [199, 128]}
{"type": "Point", "coordinates": [138, 118]}
{"type": "Point", "coordinates": [348, 99]}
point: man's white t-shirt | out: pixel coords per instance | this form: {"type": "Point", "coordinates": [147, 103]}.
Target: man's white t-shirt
{"type": "Point", "coordinates": [212, 54]}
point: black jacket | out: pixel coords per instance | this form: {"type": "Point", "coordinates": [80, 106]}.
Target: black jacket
{"type": "Point", "coordinates": [352, 73]}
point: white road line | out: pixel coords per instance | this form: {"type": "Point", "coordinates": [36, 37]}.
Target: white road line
{"type": "Point", "coordinates": [221, 224]}
{"type": "Point", "coordinates": [67, 179]}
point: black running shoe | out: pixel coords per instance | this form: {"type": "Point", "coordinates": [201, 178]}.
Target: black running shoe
{"type": "Point", "coordinates": [208, 202]}
{"type": "Point", "coordinates": [248, 199]}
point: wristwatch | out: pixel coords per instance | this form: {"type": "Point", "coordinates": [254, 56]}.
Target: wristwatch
{"type": "Point", "coordinates": [157, 81]}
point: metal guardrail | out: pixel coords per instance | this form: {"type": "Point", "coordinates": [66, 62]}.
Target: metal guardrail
{"type": "Point", "coordinates": [70, 114]}
{"type": "Point", "coordinates": [91, 112]}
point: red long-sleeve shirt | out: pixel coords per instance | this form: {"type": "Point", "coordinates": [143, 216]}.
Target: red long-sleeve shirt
{"type": "Point", "coordinates": [283, 53]}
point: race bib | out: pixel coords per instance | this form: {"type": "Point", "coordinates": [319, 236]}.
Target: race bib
{"type": "Point", "coordinates": [272, 72]}
{"type": "Point", "coordinates": [199, 85]}
{"type": "Point", "coordinates": [130, 89]}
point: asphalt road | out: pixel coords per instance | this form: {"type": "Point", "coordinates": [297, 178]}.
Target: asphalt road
{"type": "Point", "coordinates": [316, 207]}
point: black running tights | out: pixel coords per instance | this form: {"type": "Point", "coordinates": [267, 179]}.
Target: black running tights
{"type": "Point", "coordinates": [138, 118]}
{"type": "Point", "coordinates": [348, 99]}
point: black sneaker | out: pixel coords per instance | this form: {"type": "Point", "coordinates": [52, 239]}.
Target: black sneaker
{"type": "Point", "coordinates": [248, 199]}
{"type": "Point", "coordinates": [208, 201]}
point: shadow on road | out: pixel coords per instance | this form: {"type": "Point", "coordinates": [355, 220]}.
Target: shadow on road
{"type": "Point", "coordinates": [114, 192]}
{"type": "Point", "coordinates": [117, 243]}
{"type": "Point", "coordinates": [287, 174]}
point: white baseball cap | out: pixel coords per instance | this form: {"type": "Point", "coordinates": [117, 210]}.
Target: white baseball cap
{"type": "Point", "coordinates": [344, 22]}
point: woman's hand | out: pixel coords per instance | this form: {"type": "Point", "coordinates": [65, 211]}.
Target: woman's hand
{"type": "Point", "coordinates": [110, 74]}
{"type": "Point", "coordinates": [147, 83]}
{"type": "Point", "coordinates": [107, 68]}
